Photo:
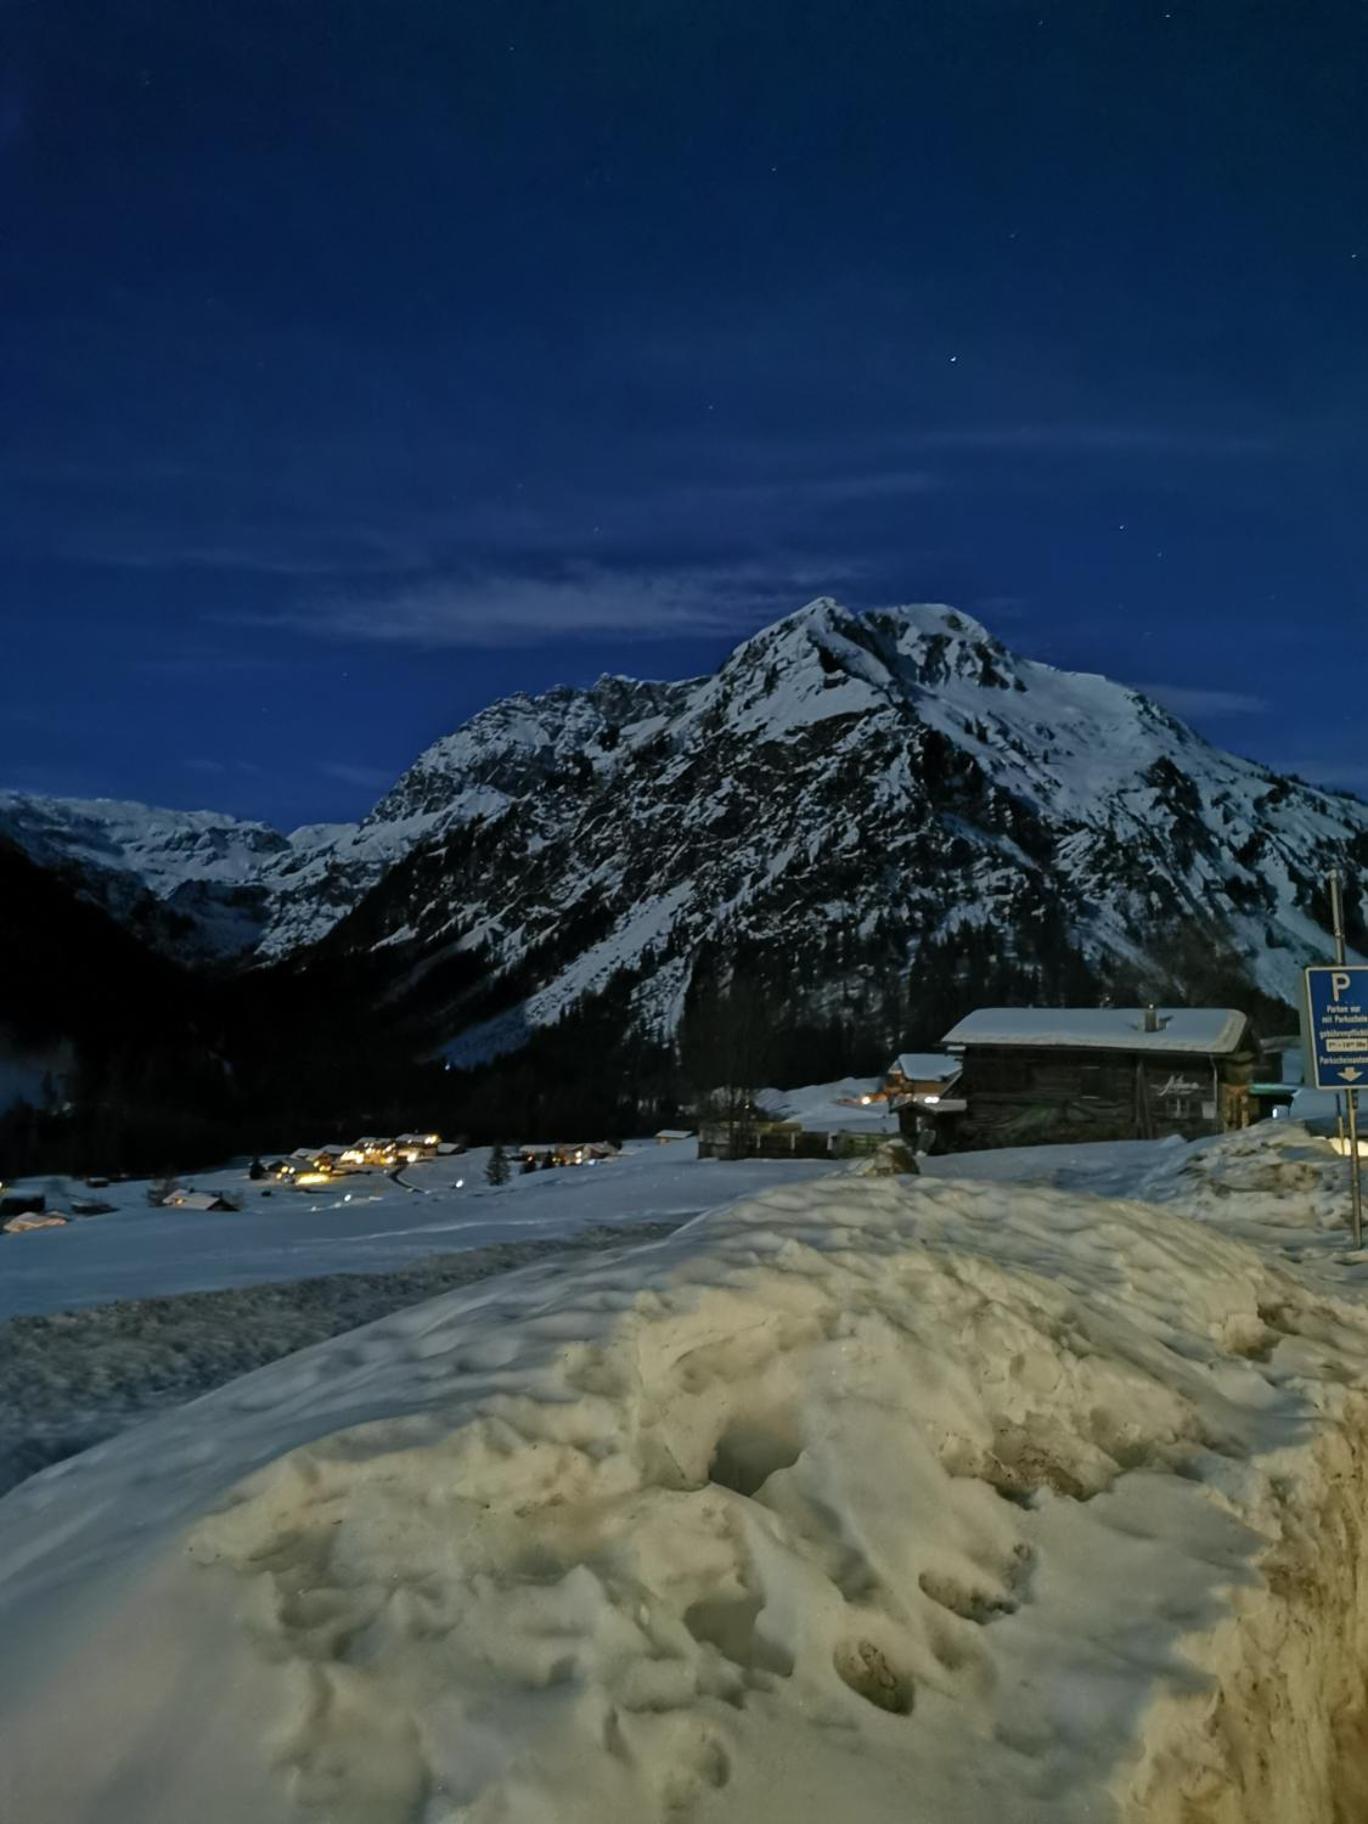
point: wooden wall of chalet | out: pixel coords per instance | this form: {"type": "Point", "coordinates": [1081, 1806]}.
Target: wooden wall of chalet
{"type": "Point", "coordinates": [1022, 1097]}
{"type": "Point", "coordinates": [774, 1140]}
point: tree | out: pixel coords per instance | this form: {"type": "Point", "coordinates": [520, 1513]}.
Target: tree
{"type": "Point", "coordinates": [726, 1045]}
{"type": "Point", "coordinates": [497, 1169]}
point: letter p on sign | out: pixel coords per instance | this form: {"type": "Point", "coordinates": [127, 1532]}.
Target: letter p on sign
{"type": "Point", "coordinates": [1338, 984]}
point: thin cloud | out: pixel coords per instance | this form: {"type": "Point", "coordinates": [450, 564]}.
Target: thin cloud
{"type": "Point", "coordinates": [1195, 700]}
{"type": "Point", "coordinates": [1088, 439]}
{"type": "Point", "coordinates": [1329, 775]}
{"type": "Point", "coordinates": [372, 778]}
{"type": "Point", "coordinates": [840, 489]}
{"type": "Point", "coordinates": [1001, 607]}
{"type": "Point", "coordinates": [500, 610]}
{"type": "Point", "coordinates": [221, 768]}
{"type": "Point", "coordinates": [201, 664]}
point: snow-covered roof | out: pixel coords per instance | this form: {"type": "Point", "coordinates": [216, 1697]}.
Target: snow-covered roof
{"type": "Point", "coordinates": [830, 1108]}
{"type": "Point", "coordinates": [1208, 1030]}
{"type": "Point", "coordinates": [926, 1066]}
{"type": "Point", "coordinates": [674, 1133]}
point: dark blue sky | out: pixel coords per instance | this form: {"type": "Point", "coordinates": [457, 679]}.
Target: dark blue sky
{"type": "Point", "coordinates": [361, 362]}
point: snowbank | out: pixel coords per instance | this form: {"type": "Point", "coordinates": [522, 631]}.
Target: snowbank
{"type": "Point", "coordinates": [936, 1500]}
{"type": "Point", "coordinates": [75, 1378]}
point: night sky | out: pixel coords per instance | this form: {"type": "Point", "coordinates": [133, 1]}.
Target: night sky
{"type": "Point", "coordinates": [361, 362]}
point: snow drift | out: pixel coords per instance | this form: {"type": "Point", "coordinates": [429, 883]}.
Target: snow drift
{"type": "Point", "coordinates": [927, 1500]}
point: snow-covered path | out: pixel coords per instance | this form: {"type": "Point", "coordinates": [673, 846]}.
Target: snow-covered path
{"type": "Point", "coordinates": [368, 1225]}
{"type": "Point", "coordinates": [941, 1500]}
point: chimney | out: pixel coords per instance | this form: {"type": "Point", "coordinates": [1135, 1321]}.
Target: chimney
{"type": "Point", "coordinates": [1151, 1020]}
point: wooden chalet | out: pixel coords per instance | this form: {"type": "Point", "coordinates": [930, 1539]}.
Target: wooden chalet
{"type": "Point", "coordinates": [1035, 1075]}
{"type": "Point", "coordinates": [841, 1120]}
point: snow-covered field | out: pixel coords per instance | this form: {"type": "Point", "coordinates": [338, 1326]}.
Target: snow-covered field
{"type": "Point", "coordinates": [945, 1499]}
{"type": "Point", "coordinates": [367, 1224]}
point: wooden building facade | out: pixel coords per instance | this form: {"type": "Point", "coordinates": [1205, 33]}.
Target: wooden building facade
{"type": "Point", "coordinates": [1035, 1076]}
{"type": "Point", "coordinates": [761, 1138]}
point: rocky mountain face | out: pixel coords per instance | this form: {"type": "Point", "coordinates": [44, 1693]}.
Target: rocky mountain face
{"type": "Point", "coordinates": [876, 815]}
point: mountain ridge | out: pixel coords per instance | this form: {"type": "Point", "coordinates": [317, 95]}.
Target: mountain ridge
{"type": "Point", "coordinates": [852, 803]}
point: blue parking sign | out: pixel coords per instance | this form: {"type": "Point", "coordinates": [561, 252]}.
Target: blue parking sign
{"type": "Point", "coordinates": [1337, 1024]}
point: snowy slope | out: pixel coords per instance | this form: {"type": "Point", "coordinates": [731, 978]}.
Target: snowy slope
{"type": "Point", "coordinates": [203, 868]}
{"type": "Point", "coordinates": [849, 799]}
{"type": "Point", "coordinates": [865, 803]}
{"type": "Point", "coordinates": [861, 1499]}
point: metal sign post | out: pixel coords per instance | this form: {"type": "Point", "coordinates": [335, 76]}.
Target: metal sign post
{"type": "Point", "coordinates": [1337, 1041]}
{"type": "Point", "coordinates": [1355, 1184]}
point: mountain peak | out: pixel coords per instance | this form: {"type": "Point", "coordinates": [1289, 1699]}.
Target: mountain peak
{"type": "Point", "coordinates": [857, 787]}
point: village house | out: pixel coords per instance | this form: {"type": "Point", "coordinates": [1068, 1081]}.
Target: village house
{"type": "Point", "coordinates": [922, 1076]}
{"type": "Point", "coordinates": [1281, 1074]}
{"type": "Point", "coordinates": [1033, 1075]}
{"type": "Point", "coordinates": [197, 1200]}
{"type": "Point", "coordinates": [537, 1155]}
{"type": "Point", "coordinates": [23, 1203]}
{"type": "Point", "coordinates": [37, 1219]}
{"type": "Point", "coordinates": [821, 1121]}
{"type": "Point", "coordinates": [418, 1146]}
{"type": "Point", "coordinates": [375, 1150]}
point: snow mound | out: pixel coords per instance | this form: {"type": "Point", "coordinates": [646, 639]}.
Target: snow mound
{"type": "Point", "coordinates": [862, 1498]}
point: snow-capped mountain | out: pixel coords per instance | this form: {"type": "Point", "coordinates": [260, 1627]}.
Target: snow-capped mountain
{"type": "Point", "coordinates": [860, 805]}
{"type": "Point", "coordinates": [191, 881]}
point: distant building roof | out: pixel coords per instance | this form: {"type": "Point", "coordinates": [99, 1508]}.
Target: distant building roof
{"type": "Point", "coordinates": [848, 1106]}
{"type": "Point", "coordinates": [674, 1133]}
{"type": "Point", "coordinates": [1211, 1031]}
{"type": "Point", "coordinates": [926, 1066]}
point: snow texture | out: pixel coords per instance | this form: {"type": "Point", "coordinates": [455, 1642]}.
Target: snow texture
{"type": "Point", "coordinates": [75, 1378]}
{"type": "Point", "coordinates": [927, 1066]}
{"type": "Point", "coordinates": [1210, 1031]}
{"type": "Point", "coordinates": [940, 1499]}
